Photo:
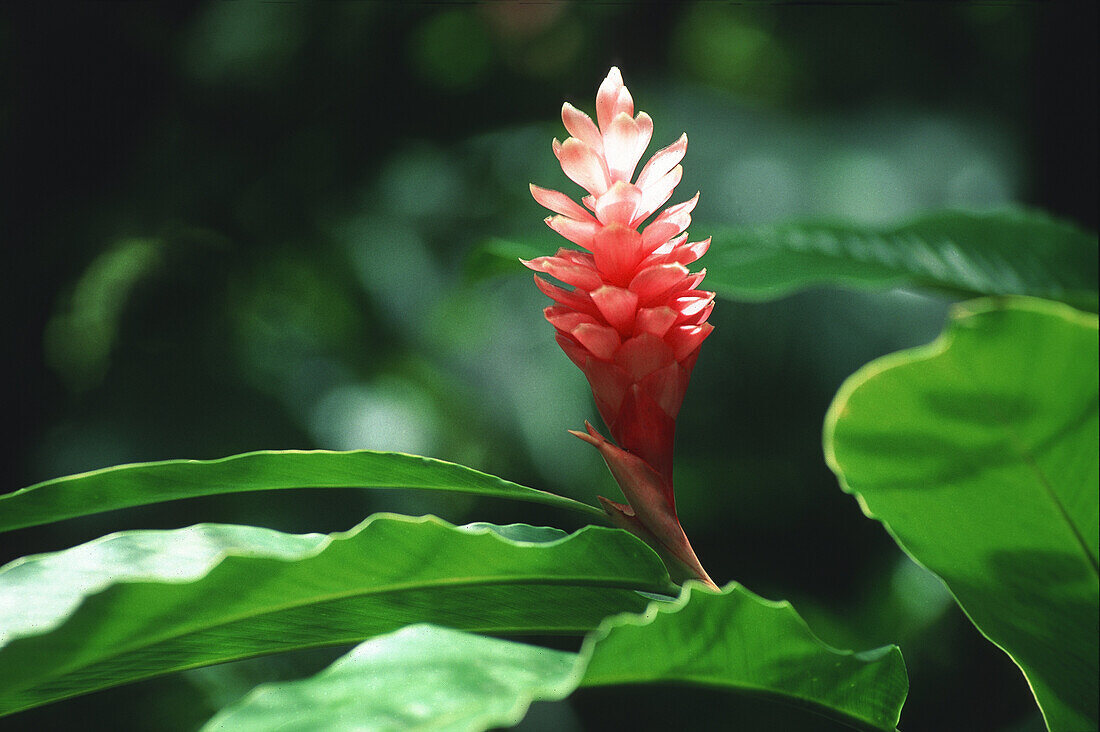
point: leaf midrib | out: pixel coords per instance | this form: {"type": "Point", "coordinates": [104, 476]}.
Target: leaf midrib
{"type": "Point", "coordinates": [533, 580]}
{"type": "Point", "coordinates": [1028, 459]}
{"type": "Point", "coordinates": [1025, 453]}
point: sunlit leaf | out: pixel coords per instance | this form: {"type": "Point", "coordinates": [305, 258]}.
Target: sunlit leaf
{"type": "Point", "coordinates": [137, 604]}
{"type": "Point", "coordinates": [743, 643]}
{"type": "Point", "coordinates": [421, 677]}
{"type": "Point", "coordinates": [428, 678]}
{"type": "Point", "coordinates": [140, 484]}
{"type": "Point", "coordinates": [962, 253]}
{"type": "Point", "coordinates": [978, 453]}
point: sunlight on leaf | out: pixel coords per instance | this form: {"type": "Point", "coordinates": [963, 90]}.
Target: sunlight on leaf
{"type": "Point", "coordinates": [741, 642]}
{"type": "Point", "coordinates": [421, 677]}
{"type": "Point", "coordinates": [138, 604]}
{"type": "Point", "coordinates": [433, 678]}
{"type": "Point", "coordinates": [978, 452]}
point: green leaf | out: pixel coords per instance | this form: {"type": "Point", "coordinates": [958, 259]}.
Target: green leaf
{"type": "Point", "coordinates": [421, 677]}
{"type": "Point", "coordinates": [978, 452]}
{"type": "Point", "coordinates": [997, 253]}
{"type": "Point", "coordinates": [1009, 252]}
{"type": "Point", "coordinates": [741, 642]}
{"type": "Point", "coordinates": [140, 484]}
{"type": "Point", "coordinates": [137, 604]}
{"type": "Point", "coordinates": [429, 678]}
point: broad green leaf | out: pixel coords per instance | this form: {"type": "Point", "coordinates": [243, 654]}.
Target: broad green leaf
{"type": "Point", "coordinates": [429, 678]}
{"type": "Point", "coordinates": [137, 604]}
{"type": "Point", "coordinates": [140, 484]}
{"type": "Point", "coordinates": [997, 253]}
{"type": "Point", "coordinates": [420, 678]}
{"type": "Point", "coordinates": [978, 452]}
{"type": "Point", "coordinates": [743, 643]}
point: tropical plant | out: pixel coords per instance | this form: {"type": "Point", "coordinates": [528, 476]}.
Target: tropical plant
{"type": "Point", "coordinates": [977, 452]}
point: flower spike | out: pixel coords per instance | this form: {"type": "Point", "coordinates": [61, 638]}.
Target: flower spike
{"type": "Point", "coordinates": [634, 319]}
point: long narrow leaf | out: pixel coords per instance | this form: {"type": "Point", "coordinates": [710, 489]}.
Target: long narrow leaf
{"type": "Point", "coordinates": [138, 604]}
{"type": "Point", "coordinates": [996, 253]}
{"type": "Point", "coordinates": [140, 484]}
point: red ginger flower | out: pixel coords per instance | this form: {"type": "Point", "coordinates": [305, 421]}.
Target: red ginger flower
{"type": "Point", "coordinates": [634, 320]}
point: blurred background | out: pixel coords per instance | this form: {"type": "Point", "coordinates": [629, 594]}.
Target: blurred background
{"type": "Point", "coordinates": [238, 226]}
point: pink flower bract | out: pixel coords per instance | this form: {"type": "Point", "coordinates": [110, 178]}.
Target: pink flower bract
{"type": "Point", "coordinates": [631, 316]}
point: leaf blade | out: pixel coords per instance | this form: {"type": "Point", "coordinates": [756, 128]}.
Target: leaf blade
{"type": "Point", "coordinates": [472, 682]}
{"type": "Point", "coordinates": [139, 484]}
{"type": "Point", "coordinates": [1010, 252]}
{"type": "Point", "coordinates": [741, 642]}
{"type": "Point", "coordinates": [466, 682]}
{"type": "Point", "coordinates": [978, 454]}
{"type": "Point", "coordinates": [211, 593]}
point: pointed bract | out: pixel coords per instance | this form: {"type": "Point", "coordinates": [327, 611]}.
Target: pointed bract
{"type": "Point", "coordinates": [649, 514]}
